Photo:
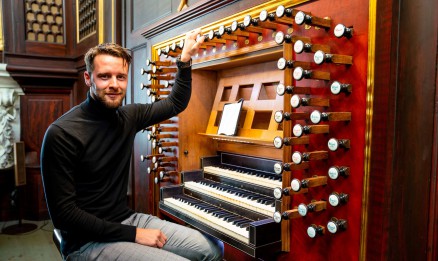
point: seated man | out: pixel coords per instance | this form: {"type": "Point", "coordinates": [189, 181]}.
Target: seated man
{"type": "Point", "coordinates": [85, 161]}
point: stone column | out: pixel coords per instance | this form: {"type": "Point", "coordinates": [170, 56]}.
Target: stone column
{"type": "Point", "coordinates": [10, 93]}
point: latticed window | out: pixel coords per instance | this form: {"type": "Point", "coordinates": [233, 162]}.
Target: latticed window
{"type": "Point", "coordinates": [44, 21]}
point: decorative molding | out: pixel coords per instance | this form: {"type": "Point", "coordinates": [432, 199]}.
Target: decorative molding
{"type": "Point", "coordinates": [198, 9]}
{"type": "Point", "coordinates": [9, 117]}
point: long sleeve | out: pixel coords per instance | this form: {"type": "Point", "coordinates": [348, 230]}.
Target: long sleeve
{"type": "Point", "coordinates": [59, 161]}
{"type": "Point", "coordinates": [176, 102]}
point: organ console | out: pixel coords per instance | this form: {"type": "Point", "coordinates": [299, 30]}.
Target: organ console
{"type": "Point", "coordinates": [317, 116]}
{"type": "Point", "coordinates": [286, 215]}
{"type": "Point", "coordinates": [224, 31]}
{"type": "Point", "coordinates": [214, 194]}
{"type": "Point", "coordinates": [159, 165]}
{"type": "Point", "coordinates": [166, 176]}
{"type": "Point", "coordinates": [337, 87]}
{"type": "Point", "coordinates": [211, 40]}
{"type": "Point", "coordinates": [303, 18]}
{"type": "Point", "coordinates": [244, 189]}
{"type": "Point", "coordinates": [165, 84]}
{"type": "Point", "coordinates": [334, 144]}
{"type": "Point", "coordinates": [279, 167]}
{"type": "Point", "coordinates": [343, 31]}
{"type": "Point", "coordinates": [249, 21]}
{"type": "Point", "coordinates": [265, 16]}
{"type": "Point", "coordinates": [159, 93]}
{"type": "Point", "coordinates": [283, 64]}
{"type": "Point", "coordinates": [314, 206]}
{"type": "Point", "coordinates": [297, 185]}
{"type": "Point", "coordinates": [321, 57]}
{"type": "Point", "coordinates": [300, 46]}
{"type": "Point", "coordinates": [288, 12]}
{"type": "Point", "coordinates": [297, 101]}
{"type": "Point", "coordinates": [156, 159]}
{"type": "Point", "coordinates": [280, 116]}
{"type": "Point", "coordinates": [162, 150]}
{"type": "Point", "coordinates": [279, 142]}
{"type": "Point", "coordinates": [163, 179]}
{"type": "Point", "coordinates": [157, 70]}
{"type": "Point", "coordinates": [288, 191]}
{"type": "Point", "coordinates": [281, 38]}
{"type": "Point", "coordinates": [160, 77]}
{"type": "Point", "coordinates": [221, 35]}
{"type": "Point", "coordinates": [240, 26]}
{"type": "Point", "coordinates": [143, 71]}
{"type": "Point", "coordinates": [298, 157]}
{"type": "Point", "coordinates": [335, 171]}
{"type": "Point", "coordinates": [156, 144]}
{"type": "Point", "coordinates": [156, 129]}
{"type": "Point", "coordinates": [177, 47]}
{"type": "Point", "coordinates": [161, 136]}
{"type": "Point", "coordinates": [160, 63]}
{"type": "Point", "coordinates": [281, 89]}
{"type": "Point", "coordinates": [168, 173]}
{"type": "Point", "coordinates": [148, 157]}
{"type": "Point", "coordinates": [315, 231]}
{"type": "Point", "coordinates": [300, 73]}
{"type": "Point", "coordinates": [298, 129]}
{"type": "Point", "coordinates": [335, 199]}
{"type": "Point", "coordinates": [336, 225]}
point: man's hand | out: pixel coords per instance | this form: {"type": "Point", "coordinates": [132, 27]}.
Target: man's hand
{"type": "Point", "coordinates": [150, 237]}
{"type": "Point", "coordinates": [191, 46]}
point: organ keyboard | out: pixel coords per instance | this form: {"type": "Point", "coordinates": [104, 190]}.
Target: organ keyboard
{"type": "Point", "coordinates": [232, 199]}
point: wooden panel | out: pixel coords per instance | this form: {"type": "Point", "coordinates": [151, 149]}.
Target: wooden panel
{"type": "Point", "coordinates": [404, 75]}
{"type": "Point", "coordinates": [141, 18]}
{"type": "Point", "coordinates": [192, 146]}
{"type": "Point", "coordinates": [38, 111]}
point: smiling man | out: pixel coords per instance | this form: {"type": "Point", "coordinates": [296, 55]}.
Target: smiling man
{"type": "Point", "coordinates": [85, 161]}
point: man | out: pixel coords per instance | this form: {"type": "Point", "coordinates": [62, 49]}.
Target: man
{"type": "Point", "coordinates": [85, 162]}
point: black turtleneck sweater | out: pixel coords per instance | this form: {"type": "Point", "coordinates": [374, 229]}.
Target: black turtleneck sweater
{"type": "Point", "coordinates": [85, 161]}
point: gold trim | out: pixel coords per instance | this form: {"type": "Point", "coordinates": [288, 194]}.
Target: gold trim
{"type": "Point", "coordinates": [113, 21]}
{"type": "Point", "coordinates": [2, 44]}
{"type": "Point", "coordinates": [369, 124]}
{"type": "Point", "coordinates": [101, 21]}
{"type": "Point", "coordinates": [270, 6]}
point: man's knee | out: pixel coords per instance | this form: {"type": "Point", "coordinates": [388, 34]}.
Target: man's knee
{"type": "Point", "coordinates": [216, 249]}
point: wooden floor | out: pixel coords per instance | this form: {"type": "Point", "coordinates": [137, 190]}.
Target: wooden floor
{"type": "Point", "coordinates": [36, 245]}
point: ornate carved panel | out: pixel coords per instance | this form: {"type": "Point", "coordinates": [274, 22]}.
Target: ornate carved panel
{"type": "Point", "coordinates": [44, 21]}
{"type": "Point", "coordinates": [87, 18]}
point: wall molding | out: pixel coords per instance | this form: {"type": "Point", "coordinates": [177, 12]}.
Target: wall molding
{"type": "Point", "coordinates": [193, 12]}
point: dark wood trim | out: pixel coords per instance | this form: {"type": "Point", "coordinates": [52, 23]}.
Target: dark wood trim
{"type": "Point", "coordinates": [433, 206]}
{"type": "Point", "coordinates": [22, 68]}
{"type": "Point", "coordinates": [200, 8]}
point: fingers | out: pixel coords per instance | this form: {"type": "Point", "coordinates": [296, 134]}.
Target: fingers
{"type": "Point", "coordinates": [161, 240]}
{"type": "Point", "coordinates": [193, 34]}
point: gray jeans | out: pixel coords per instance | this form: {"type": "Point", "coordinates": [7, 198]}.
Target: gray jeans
{"type": "Point", "coordinates": [182, 243]}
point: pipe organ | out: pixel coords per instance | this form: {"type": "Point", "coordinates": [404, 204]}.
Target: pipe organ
{"type": "Point", "coordinates": [290, 182]}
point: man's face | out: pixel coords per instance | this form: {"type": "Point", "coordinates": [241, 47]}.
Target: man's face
{"type": "Point", "coordinates": [108, 81]}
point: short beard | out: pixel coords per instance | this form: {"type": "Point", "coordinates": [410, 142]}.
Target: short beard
{"type": "Point", "coordinates": [108, 105]}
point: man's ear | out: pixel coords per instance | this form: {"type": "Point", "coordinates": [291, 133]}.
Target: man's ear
{"type": "Point", "coordinates": [87, 78]}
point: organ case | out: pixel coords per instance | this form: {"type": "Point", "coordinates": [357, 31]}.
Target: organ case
{"type": "Point", "coordinates": [244, 65]}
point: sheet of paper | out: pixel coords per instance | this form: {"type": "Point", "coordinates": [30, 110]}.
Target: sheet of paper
{"type": "Point", "coordinates": [230, 117]}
